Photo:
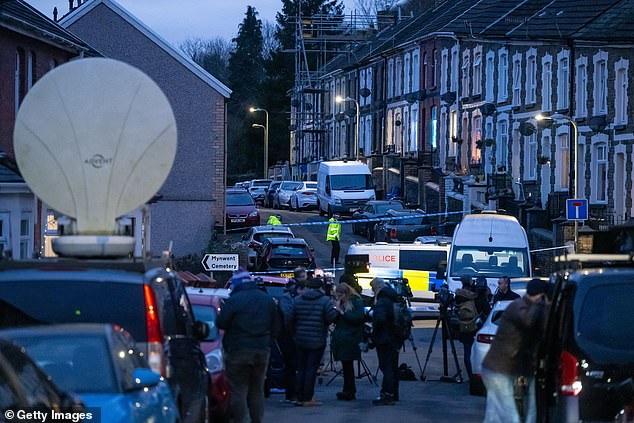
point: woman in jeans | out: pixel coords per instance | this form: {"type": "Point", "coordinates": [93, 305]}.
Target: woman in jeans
{"type": "Point", "coordinates": [347, 335]}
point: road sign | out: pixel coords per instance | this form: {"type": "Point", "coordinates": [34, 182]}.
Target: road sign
{"type": "Point", "coordinates": [220, 262]}
{"type": "Point", "coordinates": [577, 209]}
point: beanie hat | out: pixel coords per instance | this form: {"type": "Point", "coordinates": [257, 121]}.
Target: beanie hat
{"type": "Point", "coordinates": [240, 276]}
{"type": "Point", "coordinates": [536, 287]}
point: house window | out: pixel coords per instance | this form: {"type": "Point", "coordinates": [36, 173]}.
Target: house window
{"type": "Point", "coordinates": [581, 88]}
{"type": "Point", "coordinates": [530, 157]}
{"type": "Point", "coordinates": [501, 145]}
{"type": "Point", "coordinates": [30, 69]}
{"type": "Point", "coordinates": [490, 68]}
{"type": "Point", "coordinates": [19, 78]}
{"type": "Point", "coordinates": [4, 232]}
{"type": "Point", "coordinates": [563, 162]}
{"type": "Point", "coordinates": [563, 80]}
{"type": "Point", "coordinates": [600, 84]}
{"type": "Point", "coordinates": [434, 68]}
{"type": "Point", "coordinates": [531, 76]}
{"type": "Point", "coordinates": [454, 69]}
{"type": "Point", "coordinates": [547, 83]}
{"type": "Point", "coordinates": [444, 66]}
{"type": "Point", "coordinates": [415, 71]}
{"type": "Point", "coordinates": [466, 63]}
{"type": "Point", "coordinates": [424, 71]}
{"type": "Point", "coordinates": [407, 76]}
{"type": "Point", "coordinates": [367, 145]}
{"type": "Point", "coordinates": [443, 134]}
{"type": "Point", "coordinates": [453, 132]}
{"type": "Point", "coordinates": [503, 75]}
{"type": "Point", "coordinates": [432, 130]}
{"type": "Point", "coordinates": [398, 77]}
{"type": "Point", "coordinates": [368, 85]}
{"type": "Point", "coordinates": [546, 147]}
{"type": "Point", "coordinates": [25, 236]}
{"type": "Point", "coordinates": [361, 87]}
{"type": "Point", "coordinates": [390, 79]}
{"type": "Point", "coordinates": [517, 79]}
{"type": "Point", "coordinates": [477, 71]}
{"type": "Point", "coordinates": [476, 141]}
{"type": "Point", "coordinates": [601, 173]}
{"type": "Point", "coordinates": [620, 89]}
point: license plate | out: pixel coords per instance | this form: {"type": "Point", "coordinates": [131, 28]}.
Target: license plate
{"type": "Point", "coordinates": [287, 275]}
{"type": "Point", "coordinates": [237, 220]}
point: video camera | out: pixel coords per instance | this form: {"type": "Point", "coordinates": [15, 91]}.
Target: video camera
{"type": "Point", "coordinates": [445, 298]}
{"type": "Point", "coordinates": [401, 286]}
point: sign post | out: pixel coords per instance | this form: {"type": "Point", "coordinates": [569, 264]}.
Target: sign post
{"type": "Point", "coordinates": [220, 262]}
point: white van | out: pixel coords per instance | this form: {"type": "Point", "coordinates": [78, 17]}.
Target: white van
{"type": "Point", "coordinates": [343, 186]}
{"type": "Point", "coordinates": [417, 262]}
{"type": "Point", "coordinates": [491, 245]}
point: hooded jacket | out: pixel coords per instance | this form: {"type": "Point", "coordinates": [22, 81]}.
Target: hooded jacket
{"type": "Point", "coordinates": [313, 312]}
{"type": "Point", "coordinates": [383, 317]}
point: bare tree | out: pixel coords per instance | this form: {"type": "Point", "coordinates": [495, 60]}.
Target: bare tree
{"type": "Point", "coordinates": [370, 7]}
{"type": "Point", "coordinates": [212, 55]}
{"type": "Point", "coordinates": [268, 38]}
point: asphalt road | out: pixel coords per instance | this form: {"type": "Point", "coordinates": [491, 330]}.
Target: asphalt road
{"type": "Point", "coordinates": [428, 401]}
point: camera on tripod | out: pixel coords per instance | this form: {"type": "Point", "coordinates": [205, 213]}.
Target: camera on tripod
{"type": "Point", "coordinates": [402, 288]}
{"type": "Point", "coordinates": [446, 298]}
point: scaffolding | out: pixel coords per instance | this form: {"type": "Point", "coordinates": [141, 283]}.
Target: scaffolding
{"type": "Point", "coordinates": [318, 39]}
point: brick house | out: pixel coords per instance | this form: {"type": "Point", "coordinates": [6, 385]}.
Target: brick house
{"type": "Point", "coordinates": [191, 201]}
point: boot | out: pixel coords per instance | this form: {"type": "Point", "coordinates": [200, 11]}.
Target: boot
{"type": "Point", "coordinates": [384, 399]}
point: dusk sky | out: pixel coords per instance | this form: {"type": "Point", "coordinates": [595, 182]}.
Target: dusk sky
{"type": "Point", "coordinates": [178, 20]}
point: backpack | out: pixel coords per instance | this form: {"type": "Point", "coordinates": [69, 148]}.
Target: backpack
{"type": "Point", "coordinates": [468, 317]}
{"type": "Point", "coordinates": [403, 320]}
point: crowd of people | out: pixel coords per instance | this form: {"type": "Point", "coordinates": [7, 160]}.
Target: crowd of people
{"type": "Point", "coordinates": [301, 320]}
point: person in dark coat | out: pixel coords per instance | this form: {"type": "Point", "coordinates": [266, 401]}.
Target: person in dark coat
{"type": "Point", "coordinates": [313, 312]}
{"type": "Point", "coordinates": [504, 292]}
{"type": "Point", "coordinates": [387, 343]}
{"type": "Point", "coordinates": [513, 354]}
{"type": "Point", "coordinates": [250, 321]}
{"type": "Point", "coordinates": [347, 335]}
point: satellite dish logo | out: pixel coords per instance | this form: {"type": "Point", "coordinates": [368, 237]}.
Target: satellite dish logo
{"type": "Point", "coordinates": [98, 161]}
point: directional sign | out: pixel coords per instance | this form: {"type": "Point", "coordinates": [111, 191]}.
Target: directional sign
{"type": "Point", "coordinates": [577, 209]}
{"type": "Point", "coordinates": [220, 262]}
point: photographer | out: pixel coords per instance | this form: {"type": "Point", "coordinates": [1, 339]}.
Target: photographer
{"type": "Point", "coordinates": [347, 335]}
{"type": "Point", "coordinates": [387, 343]}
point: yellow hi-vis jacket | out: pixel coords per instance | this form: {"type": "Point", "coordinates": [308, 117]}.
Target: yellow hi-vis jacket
{"type": "Point", "coordinates": [334, 230]}
{"type": "Point", "coordinates": [273, 220]}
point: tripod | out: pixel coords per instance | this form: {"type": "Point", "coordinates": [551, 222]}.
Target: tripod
{"type": "Point", "coordinates": [446, 333]}
{"type": "Point", "coordinates": [366, 372]}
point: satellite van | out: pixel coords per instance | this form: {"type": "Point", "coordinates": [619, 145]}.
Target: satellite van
{"type": "Point", "coordinates": [94, 139]}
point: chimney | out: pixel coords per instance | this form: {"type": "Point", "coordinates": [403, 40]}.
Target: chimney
{"type": "Point", "coordinates": [55, 14]}
{"type": "Point", "coordinates": [385, 19]}
{"type": "Point", "coordinates": [71, 4]}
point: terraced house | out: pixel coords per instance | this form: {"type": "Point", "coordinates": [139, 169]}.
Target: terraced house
{"type": "Point", "coordinates": [448, 104]}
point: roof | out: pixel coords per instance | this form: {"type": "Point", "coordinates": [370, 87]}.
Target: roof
{"type": "Point", "coordinates": [272, 228]}
{"type": "Point", "coordinates": [20, 16]}
{"type": "Point", "coordinates": [286, 241]}
{"type": "Point", "coordinates": [192, 66]}
{"type": "Point", "coordinates": [614, 23]}
{"type": "Point", "coordinates": [8, 175]}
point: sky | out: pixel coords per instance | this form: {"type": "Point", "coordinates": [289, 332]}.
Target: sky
{"type": "Point", "coordinates": [177, 21]}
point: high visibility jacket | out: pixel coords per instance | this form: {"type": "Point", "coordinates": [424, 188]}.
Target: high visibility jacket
{"type": "Point", "coordinates": [273, 220]}
{"type": "Point", "coordinates": [334, 230]}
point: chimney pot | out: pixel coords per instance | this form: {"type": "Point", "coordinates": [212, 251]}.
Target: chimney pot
{"type": "Point", "coordinates": [71, 4]}
{"type": "Point", "coordinates": [55, 14]}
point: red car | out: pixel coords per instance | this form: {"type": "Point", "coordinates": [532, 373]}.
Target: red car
{"type": "Point", "coordinates": [240, 209]}
{"type": "Point", "coordinates": [206, 304]}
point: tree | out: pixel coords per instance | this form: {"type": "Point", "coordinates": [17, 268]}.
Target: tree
{"type": "Point", "coordinates": [270, 41]}
{"type": "Point", "coordinates": [370, 7]}
{"type": "Point", "coordinates": [212, 55]}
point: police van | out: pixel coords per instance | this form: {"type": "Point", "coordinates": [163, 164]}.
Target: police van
{"type": "Point", "coordinates": [417, 262]}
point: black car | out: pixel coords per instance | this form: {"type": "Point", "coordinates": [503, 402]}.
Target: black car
{"type": "Point", "coordinates": [147, 299]}
{"type": "Point", "coordinates": [269, 194]}
{"type": "Point", "coordinates": [588, 347]}
{"type": "Point", "coordinates": [373, 209]}
{"type": "Point", "coordinates": [404, 226]}
{"type": "Point", "coordinates": [284, 254]}
{"type": "Point", "coordinates": [24, 385]}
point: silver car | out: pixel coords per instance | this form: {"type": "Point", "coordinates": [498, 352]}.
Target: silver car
{"type": "Point", "coordinates": [283, 195]}
{"type": "Point", "coordinates": [254, 238]}
{"type": "Point", "coordinates": [304, 197]}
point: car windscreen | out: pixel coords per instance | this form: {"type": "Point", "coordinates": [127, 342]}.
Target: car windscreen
{"type": "Point", "coordinates": [383, 208]}
{"type": "Point", "coordinates": [261, 236]}
{"type": "Point", "coordinates": [289, 186]}
{"type": "Point", "coordinates": [77, 363]}
{"type": "Point", "coordinates": [491, 262]}
{"type": "Point", "coordinates": [58, 301]}
{"type": "Point", "coordinates": [604, 327]}
{"type": "Point", "coordinates": [204, 313]}
{"type": "Point", "coordinates": [358, 182]}
{"type": "Point", "coordinates": [408, 221]}
{"type": "Point", "coordinates": [261, 183]}
{"type": "Point", "coordinates": [240, 199]}
{"type": "Point", "coordinates": [311, 185]}
{"type": "Point", "coordinates": [421, 260]}
{"type": "Point", "coordinates": [292, 251]}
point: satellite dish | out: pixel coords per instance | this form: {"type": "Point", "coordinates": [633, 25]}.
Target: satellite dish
{"type": "Point", "coordinates": [95, 138]}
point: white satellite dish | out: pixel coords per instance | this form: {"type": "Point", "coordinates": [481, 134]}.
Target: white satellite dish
{"type": "Point", "coordinates": [95, 138]}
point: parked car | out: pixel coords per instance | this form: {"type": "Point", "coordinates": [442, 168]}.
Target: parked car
{"type": "Point", "coordinates": [284, 254]}
{"type": "Point", "coordinates": [588, 346]}
{"type": "Point", "coordinates": [373, 209]}
{"type": "Point", "coordinates": [24, 385]}
{"type": "Point", "coordinates": [304, 197]}
{"type": "Point", "coordinates": [241, 210]}
{"type": "Point", "coordinates": [282, 197]}
{"type": "Point", "coordinates": [257, 189]}
{"type": "Point", "coordinates": [102, 365]}
{"type": "Point", "coordinates": [147, 299]}
{"type": "Point", "coordinates": [270, 193]}
{"type": "Point", "coordinates": [255, 236]}
{"type": "Point", "coordinates": [206, 304]}
{"type": "Point", "coordinates": [402, 228]}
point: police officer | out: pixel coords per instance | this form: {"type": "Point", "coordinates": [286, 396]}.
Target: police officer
{"type": "Point", "coordinates": [334, 235]}
{"type": "Point", "coordinates": [274, 220]}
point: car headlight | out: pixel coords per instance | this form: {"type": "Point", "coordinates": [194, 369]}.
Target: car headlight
{"type": "Point", "coordinates": [253, 214]}
{"type": "Point", "coordinates": [214, 360]}
{"type": "Point", "coordinates": [337, 201]}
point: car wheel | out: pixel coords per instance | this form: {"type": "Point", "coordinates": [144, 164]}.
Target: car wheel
{"type": "Point", "coordinates": [321, 212]}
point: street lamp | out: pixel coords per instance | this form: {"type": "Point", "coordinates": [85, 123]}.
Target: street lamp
{"type": "Point", "coordinates": [559, 116]}
{"type": "Point", "coordinates": [266, 138]}
{"type": "Point", "coordinates": [340, 99]}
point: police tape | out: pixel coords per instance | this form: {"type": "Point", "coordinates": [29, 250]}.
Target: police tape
{"type": "Point", "coordinates": [374, 219]}
{"type": "Point", "coordinates": [288, 273]}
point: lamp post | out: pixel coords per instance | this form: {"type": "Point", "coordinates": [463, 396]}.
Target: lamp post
{"type": "Point", "coordinates": [266, 138]}
{"type": "Point", "coordinates": [340, 99]}
{"type": "Point", "coordinates": [559, 116]}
